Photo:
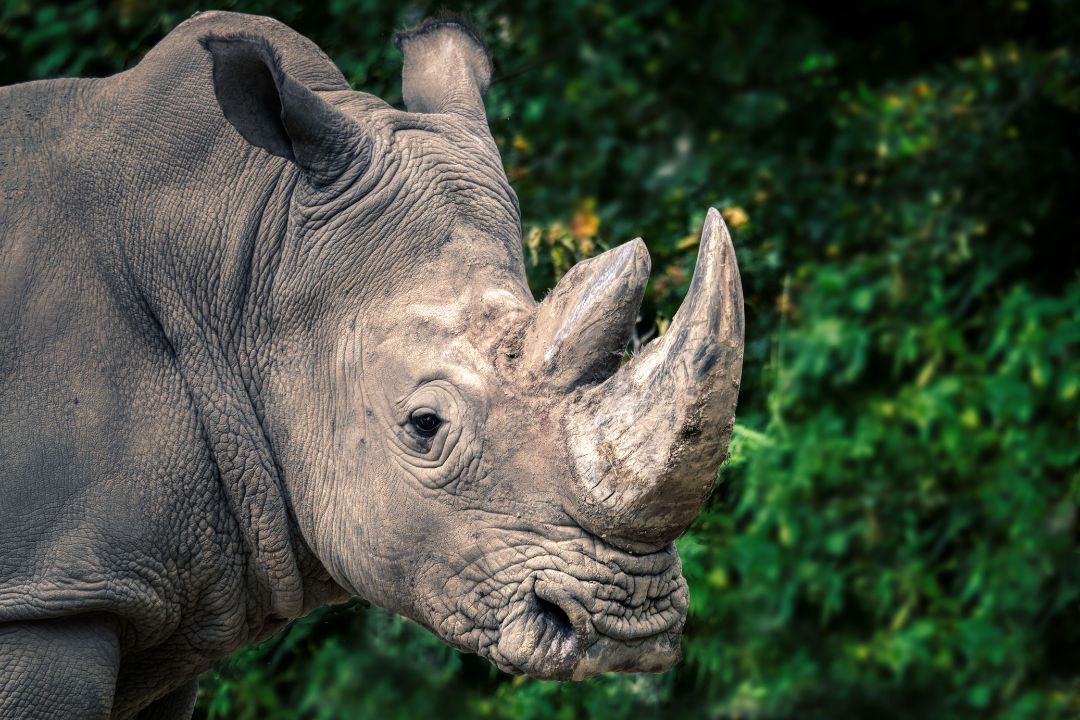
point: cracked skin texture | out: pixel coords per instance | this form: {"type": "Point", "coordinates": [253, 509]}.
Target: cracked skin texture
{"type": "Point", "coordinates": [229, 287]}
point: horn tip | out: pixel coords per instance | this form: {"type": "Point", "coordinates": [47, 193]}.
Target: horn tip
{"type": "Point", "coordinates": [640, 253]}
{"type": "Point", "coordinates": [715, 230]}
{"type": "Point", "coordinates": [714, 223]}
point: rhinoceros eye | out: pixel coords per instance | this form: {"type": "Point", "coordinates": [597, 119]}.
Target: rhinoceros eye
{"type": "Point", "coordinates": [426, 422]}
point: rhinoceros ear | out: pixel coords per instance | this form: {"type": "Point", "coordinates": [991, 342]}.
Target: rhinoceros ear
{"type": "Point", "coordinates": [447, 68]}
{"type": "Point", "coordinates": [275, 112]}
{"type": "Point", "coordinates": [581, 329]}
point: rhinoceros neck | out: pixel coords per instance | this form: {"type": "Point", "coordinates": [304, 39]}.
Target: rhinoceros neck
{"type": "Point", "coordinates": [203, 289]}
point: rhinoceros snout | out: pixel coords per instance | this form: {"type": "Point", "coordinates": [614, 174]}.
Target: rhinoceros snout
{"type": "Point", "coordinates": [560, 627]}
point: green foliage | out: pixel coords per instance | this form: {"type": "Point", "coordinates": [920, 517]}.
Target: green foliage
{"type": "Point", "coordinates": [895, 534]}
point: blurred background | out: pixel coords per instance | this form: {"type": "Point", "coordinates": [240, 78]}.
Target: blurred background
{"type": "Point", "coordinates": [895, 534]}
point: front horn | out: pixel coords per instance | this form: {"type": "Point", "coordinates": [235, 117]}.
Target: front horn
{"type": "Point", "coordinates": [646, 443]}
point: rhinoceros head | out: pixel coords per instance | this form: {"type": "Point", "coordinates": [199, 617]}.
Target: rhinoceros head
{"type": "Point", "coordinates": [452, 450]}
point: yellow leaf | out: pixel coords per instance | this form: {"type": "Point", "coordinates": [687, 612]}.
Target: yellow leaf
{"type": "Point", "coordinates": [735, 216]}
{"type": "Point", "coordinates": [555, 233]}
{"type": "Point", "coordinates": [718, 578]}
{"type": "Point", "coordinates": [902, 614]}
{"type": "Point", "coordinates": [1069, 391]}
{"type": "Point", "coordinates": [783, 303]}
{"type": "Point", "coordinates": [926, 374]}
{"type": "Point", "coordinates": [584, 224]}
{"type": "Point", "coordinates": [970, 419]}
{"type": "Point", "coordinates": [688, 242]}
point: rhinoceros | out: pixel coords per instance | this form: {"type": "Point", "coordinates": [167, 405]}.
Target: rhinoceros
{"type": "Point", "coordinates": [266, 344]}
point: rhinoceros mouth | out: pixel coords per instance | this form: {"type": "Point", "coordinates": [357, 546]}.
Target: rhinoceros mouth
{"type": "Point", "coordinates": [570, 609]}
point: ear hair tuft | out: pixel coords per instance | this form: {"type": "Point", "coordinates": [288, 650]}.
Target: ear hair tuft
{"type": "Point", "coordinates": [445, 18]}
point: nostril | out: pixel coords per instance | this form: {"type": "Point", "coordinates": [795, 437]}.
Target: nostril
{"type": "Point", "coordinates": [545, 631]}
{"type": "Point", "coordinates": [556, 617]}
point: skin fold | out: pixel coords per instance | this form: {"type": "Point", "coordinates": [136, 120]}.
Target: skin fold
{"type": "Point", "coordinates": [266, 343]}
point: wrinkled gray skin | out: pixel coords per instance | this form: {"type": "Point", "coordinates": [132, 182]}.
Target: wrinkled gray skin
{"type": "Point", "coordinates": [266, 343]}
